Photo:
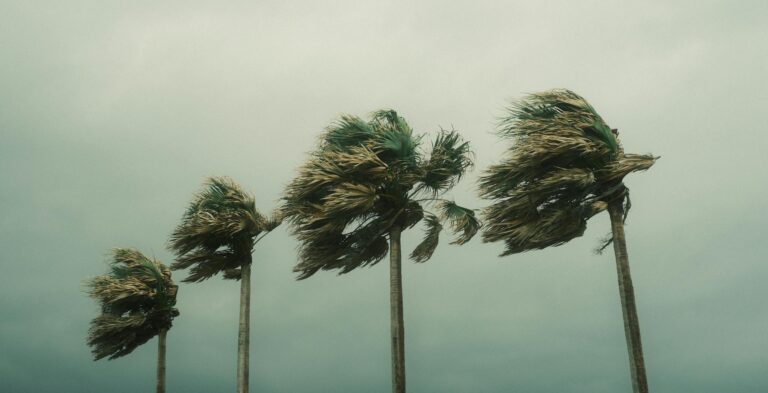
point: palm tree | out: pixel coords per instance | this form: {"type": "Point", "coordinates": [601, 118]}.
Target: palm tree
{"type": "Point", "coordinates": [566, 165]}
{"type": "Point", "coordinates": [366, 183]}
{"type": "Point", "coordinates": [137, 299]}
{"type": "Point", "coordinates": [216, 235]}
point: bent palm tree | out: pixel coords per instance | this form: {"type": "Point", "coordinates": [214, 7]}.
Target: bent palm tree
{"type": "Point", "coordinates": [217, 235]}
{"type": "Point", "coordinates": [137, 299]}
{"type": "Point", "coordinates": [366, 183]}
{"type": "Point", "coordinates": [566, 165]}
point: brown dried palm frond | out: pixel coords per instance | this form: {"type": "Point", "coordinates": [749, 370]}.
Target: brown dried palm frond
{"type": "Point", "coordinates": [564, 166]}
{"type": "Point", "coordinates": [364, 178]}
{"type": "Point", "coordinates": [137, 299]}
{"type": "Point", "coordinates": [218, 230]}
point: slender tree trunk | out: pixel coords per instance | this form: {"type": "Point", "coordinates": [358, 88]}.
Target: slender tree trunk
{"type": "Point", "coordinates": [161, 361]}
{"type": "Point", "coordinates": [627, 293]}
{"type": "Point", "coordinates": [243, 336]}
{"type": "Point", "coordinates": [396, 312]}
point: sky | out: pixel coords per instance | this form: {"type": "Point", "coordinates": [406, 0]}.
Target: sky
{"type": "Point", "coordinates": [113, 113]}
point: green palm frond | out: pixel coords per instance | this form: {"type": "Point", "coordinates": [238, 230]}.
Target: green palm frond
{"type": "Point", "coordinates": [426, 248]}
{"type": "Point", "coordinates": [564, 166]}
{"type": "Point", "coordinates": [348, 132]}
{"type": "Point", "coordinates": [395, 142]}
{"type": "Point", "coordinates": [462, 220]}
{"type": "Point", "coordinates": [359, 183]}
{"type": "Point", "coordinates": [218, 230]}
{"type": "Point", "coordinates": [137, 299]}
{"type": "Point", "coordinates": [450, 158]}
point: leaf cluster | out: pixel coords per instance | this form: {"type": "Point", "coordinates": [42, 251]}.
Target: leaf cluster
{"type": "Point", "coordinates": [565, 165]}
{"type": "Point", "coordinates": [364, 178]}
{"type": "Point", "coordinates": [137, 299]}
{"type": "Point", "coordinates": [218, 231]}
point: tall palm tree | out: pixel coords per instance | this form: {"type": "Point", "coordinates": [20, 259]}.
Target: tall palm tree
{"type": "Point", "coordinates": [216, 235]}
{"type": "Point", "coordinates": [137, 299]}
{"type": "Point", "coordinates": [364, 184]}
{"type": "Point", "coordinates": [565, 166]}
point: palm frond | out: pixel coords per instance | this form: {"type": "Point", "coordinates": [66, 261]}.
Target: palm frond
{"type": "Point", "coordinates": [557, 111]}
{"type": "Point", "coordinates": [449, 160]}
{"type": "Point", "coordinates": [461, 219]}
{"type": "Point", "coordinates": [365, 245]}
{"type": "Point", "coordinates": [348, 132]}
{"type": "Point", "coordinates": [626, 164]}
{"type": "Point", "coordinates": [350, 198]}
{"type": "Point", "coordinates": [426, 248]}
{"type": "Point", "coordinates": [413, 214]}
{"type": "Point", "coordinates": [233, 274]}
{"type": "Point", "coordinates": [395, 142]}
{"type": "Point", "coordinates": [204, 264]}
{"type": "Point", "coordinates": [114, 336]}
{"type": "Point", "coordinates": [221, 211]}
{"type": "Point", "coordinates": [547, 226]}
{"type": "Point", "coordinates": [274, 221]}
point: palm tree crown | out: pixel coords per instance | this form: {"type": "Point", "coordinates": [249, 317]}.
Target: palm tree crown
{"type": "Point", "coordinates": [137, 299]}
{"type": "Point", "coordinates": [566, 165]}
{"type": "Point", "coordinates": [216, 235]}
{"type": "Point", "coordinates": [367, 177]}
{"type": "Point", "coordinates": [218, 231]}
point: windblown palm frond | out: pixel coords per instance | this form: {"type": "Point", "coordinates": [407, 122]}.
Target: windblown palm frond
{"type": "Point", "coordinates": [361, 181]}
{"type": "Point", "coordinates": [426, 248]}
{"type": "Point", "coordinates": [218, 230]}
{"type": "Point", "coordinates": [450, 158]}
{"type": "Point", "coordinates": [565, 165]}
{"type": "Point", "coordinates": [137, 299]}
{"type": "Point", "coordinates": [461, 219]}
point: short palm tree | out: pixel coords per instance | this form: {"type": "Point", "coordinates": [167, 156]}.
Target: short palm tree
{"type": "Point", "coordinates": [137, 299]}
{"type": "Point", "coordinates": [366, 183]}
{"type": "Point", "coordinates": [565, 166]}
{"type": "Point", "coordinates": [216, 235]}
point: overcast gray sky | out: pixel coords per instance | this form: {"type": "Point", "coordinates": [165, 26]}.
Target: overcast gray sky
{"type": "Point", "coordinates": [112, 113]}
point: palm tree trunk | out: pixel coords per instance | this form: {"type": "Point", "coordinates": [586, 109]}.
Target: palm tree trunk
{"type": "Point", "coordinates": [396, 312]}
{"type": "Point", "coordinates": [627, 293]}
{"type": "Point", "coordinates": [161, 361]}
{"type": "Point", "coordinates": [243, 337]}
